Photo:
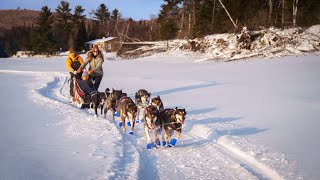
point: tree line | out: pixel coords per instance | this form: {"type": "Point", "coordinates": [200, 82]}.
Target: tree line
{"type": "Point", "coordinates": [64, 28]}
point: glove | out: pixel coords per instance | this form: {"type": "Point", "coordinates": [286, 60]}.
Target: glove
{"type": "Point", "coordinates": [79, 70]}
{"type": "Point", "coordinates": [90, 72]}
{"type": "Point", "coordinates": [75, 72]}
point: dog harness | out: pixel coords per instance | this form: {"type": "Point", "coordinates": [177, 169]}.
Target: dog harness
{"type": "Point", "coordinates": [174, 125]}
{"type": "Point", "coordinates": [125, 99]}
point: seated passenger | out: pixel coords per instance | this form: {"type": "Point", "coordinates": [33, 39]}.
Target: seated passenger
{"type": "Point", "coordinates": [85, 84]}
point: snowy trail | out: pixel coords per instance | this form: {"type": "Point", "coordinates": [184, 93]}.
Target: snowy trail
{"type": "Point", "coordinates": [193, 157]}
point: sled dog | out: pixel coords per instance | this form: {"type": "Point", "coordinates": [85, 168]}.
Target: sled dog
{"type": "Point", "coordinates": [152, 123]}
{"type": "Point", "coordinates": [98, 99]}
{"type": "Point", "coordinates": [156, 101]}
{"type": "Point", "coordinates": [172, 120]}
{"type": "Point", "coordinates": [111, 101]}
{"type": "Point", "coordinates": [141, 100]}
{"type": "Point", "coordinates": [126, 110]}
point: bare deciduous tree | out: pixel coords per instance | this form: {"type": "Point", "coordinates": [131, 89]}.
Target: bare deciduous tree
{"type": "Point", "coordinates": [270, 12]}
{"type": "Point", "coordinates": [213, 11]}
{"type": "Point", "coordinates": [294, 12]}
{"type": "Point", "coordinates": [282, 16]}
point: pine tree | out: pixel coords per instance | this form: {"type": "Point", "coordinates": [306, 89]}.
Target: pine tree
{"type": "Point", "coordinates": [63, 26]}
{"type": "Point", "coordinates": [202, 26]}
{"type": "Point", "coordinates": [102, 14]}
{"type": "Point", "coordinates": [81, 37]}
{"type": "Point", "coordinates": [168, 19]}
{"type": "Point", "coordinates": [115, 17]}
{"type": "Point", "coordinates": [93, 30]}
{"type": "Point", "coordinates": [78, 16]}
{"type": "Point", "coordinates": [79, 31]}
{"type": "Point", "coordinates": [44, 42]}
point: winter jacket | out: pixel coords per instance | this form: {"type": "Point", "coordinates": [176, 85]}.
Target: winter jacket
{"type": "Point", "coordinates": [95, 64]}
{"type": "Point", "coordinates": [73, 63]}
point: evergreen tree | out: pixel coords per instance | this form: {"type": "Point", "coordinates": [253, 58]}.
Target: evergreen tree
{"type": "Point", "coordinates": [44, 42]}
{"type": "Point", "coordinates": [93, 30]}
{"type": "Point", "coordinates": [79, 30]}
{"type": "Point", "coordinates": [78, 16]}
{"type": "Point", "coordinates": [102, 14]}
{"type": "Point", "coordinates": [308, 13]}
{"type": "Point", "coordinates": [168, 18]}
{"type": "Point", "coordinates": [63, 26]}
{"type": "Point", "coordinates": [81, 37]}
{"type": "Point", "coordinates": [115, 16]}
{"type": "Point", "coordinates": [203, 16]}
{"type": "Point", "coordinates": [3, 53]}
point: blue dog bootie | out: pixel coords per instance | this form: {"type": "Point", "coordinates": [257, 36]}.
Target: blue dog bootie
{"type": "Point", "coordinates": [172, 142]}
{"type": "Point", "coordinates": [131, 132]}
{"type": "Point", "coordinates": [120, 124]}
{"type": "Point", "coordinates": [116, 114]}
{"type": "Point", "coordinates": [137, 121]}
{"type": "Point", "coordinates": [129, 123]}
{"type": "Point", "coordinates": [164, 143]}
{"type": "Point", "coordinates": [149, 146]}
{"type": "Point", "coordinates": [158, 144]}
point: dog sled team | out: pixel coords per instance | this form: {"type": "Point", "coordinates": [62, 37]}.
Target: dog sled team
{"type": "Point", "coordinates": [156, 119]}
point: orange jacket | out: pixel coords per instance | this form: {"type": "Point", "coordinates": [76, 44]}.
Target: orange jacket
{"type": "Point", "coordinates": [70, 59]}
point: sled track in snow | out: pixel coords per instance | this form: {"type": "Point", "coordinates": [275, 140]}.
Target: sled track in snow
{"type": "Point", "coordinates": [226, 153]}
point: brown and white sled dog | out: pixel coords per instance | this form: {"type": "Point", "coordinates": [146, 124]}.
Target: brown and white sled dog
{"type": "Point", "coordinates": [172, 120]}
{"type": "Point", "coordinates": [142, 98]}
{"type": "Point", "coordinates": [126, 110]}
{"type": "Point", "coordinates": [111, 101]}
{"type": "Point", "coordinates": [156, 101]}
{"type": "Point", "coordinates": [152, 123]}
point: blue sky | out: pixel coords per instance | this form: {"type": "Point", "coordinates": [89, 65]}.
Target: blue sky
{"type": "Point", "coordinates": [136, 9]}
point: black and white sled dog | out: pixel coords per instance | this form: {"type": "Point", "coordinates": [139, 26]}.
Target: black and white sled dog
{"type": "Point", "coordinates": [111, 101]}
{"type": "Point", "coordinates": [156, 101]}
{"type": "Point", "coordinates": [142, 99]}
{"type": "Point", "coordinates": [172, 120]}
{"type": "Point", "coordinates": [152, 123]}
{"type": "Point", "coordinates": [98, 99]}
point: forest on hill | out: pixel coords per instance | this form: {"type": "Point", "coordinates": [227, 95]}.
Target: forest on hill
{"type": "Point", "coordinates": [50, 31]}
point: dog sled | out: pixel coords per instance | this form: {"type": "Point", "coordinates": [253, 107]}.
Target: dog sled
{"type": "Point", "coordinates": [82, 93]}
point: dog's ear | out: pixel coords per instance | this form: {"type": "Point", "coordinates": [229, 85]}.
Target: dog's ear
{"type": "Point", "coordinates": [149, 94]}
{"type": "Point", "coordinates": [158, 96]}
{"type": "Point", "coordinates": [112, 90]}
{"type": "Point", "coordinates": [176, 108]}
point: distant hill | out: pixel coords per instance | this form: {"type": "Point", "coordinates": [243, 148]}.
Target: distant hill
{"type": "Point", "coordinates": [9, 18]}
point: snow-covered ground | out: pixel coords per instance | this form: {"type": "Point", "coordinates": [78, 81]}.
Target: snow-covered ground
{"type": "Point", "coordinates": [254, 119]}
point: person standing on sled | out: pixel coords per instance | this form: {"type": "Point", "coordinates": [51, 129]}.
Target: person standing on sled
{"type": "Point", "coordinates": [73, 63]}
{"type": "Point", "coordinates": [95, 59]}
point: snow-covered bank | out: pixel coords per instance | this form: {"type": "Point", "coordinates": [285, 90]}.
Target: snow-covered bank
{"type": "Point", "coordinates": [246, 119]}
{"type": "Point", "coordinates": [266, 43]}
